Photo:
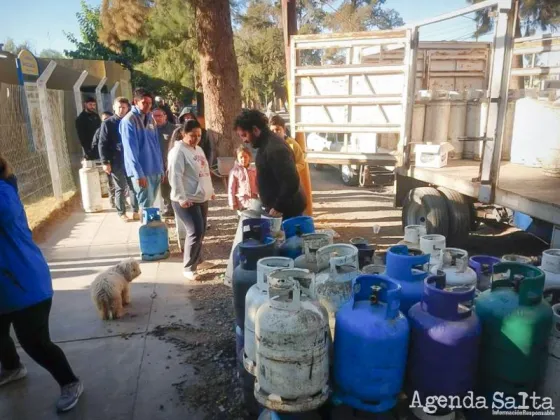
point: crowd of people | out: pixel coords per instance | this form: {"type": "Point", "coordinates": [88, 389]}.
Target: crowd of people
{"type": "Point", "coordinates": [146, 150]}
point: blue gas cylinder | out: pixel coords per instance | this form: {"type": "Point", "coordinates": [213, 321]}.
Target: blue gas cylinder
{"type": "Point", "coordinates": [252, 230]}
{"type": "Point", "coordinates": [408, 268]}
{"type": "Point", "coordinates": [482, 265]}
{"type": "Point", "coordinates": [371, 345]}
{"type": "Point", "coordinates": [293, 229]}
{"type": "Point", "coordinates": [444, 341]}
{"type": "Point", "coordinates": [154, 237]}
{"type": "Point", "coordinates": [245, 274]}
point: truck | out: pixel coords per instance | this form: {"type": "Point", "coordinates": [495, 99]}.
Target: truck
{"type": "Point", "coordinates": [360, 98]}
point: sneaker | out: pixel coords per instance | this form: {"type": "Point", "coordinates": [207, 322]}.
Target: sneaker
{"type": "Point", "coordinates": [190, 275]}
{"type": "Point", "coordinates": [135, 216]}
{"type": "Point", "coordinates": [69, 396]}
{"type": "Point", "coordinates": [7, 376]}
{"type": "Point", "coordinates": [124, 218]}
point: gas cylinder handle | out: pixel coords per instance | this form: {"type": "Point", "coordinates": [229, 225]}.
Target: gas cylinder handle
{"type": "Point", "coordinates": [284, 293]}
{"type": "Point", "coordinates": [267, 265]}
{"type": "Point", "coordinates": [527, 281]}
{"type": "Point", "coordinates": [387, 292]}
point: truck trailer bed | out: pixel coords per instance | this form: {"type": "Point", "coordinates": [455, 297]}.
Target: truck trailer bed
{"type": "Point", "coordinates": [520, 188]}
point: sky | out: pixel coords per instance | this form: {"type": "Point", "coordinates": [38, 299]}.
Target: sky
{"type": "Point", "coordinates": [43, 22]}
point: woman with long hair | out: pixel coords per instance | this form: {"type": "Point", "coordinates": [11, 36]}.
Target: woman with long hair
{"type": "Point", "coordinates": [26, 298]}
{"type": "Point", "coordinates": [191, 189]}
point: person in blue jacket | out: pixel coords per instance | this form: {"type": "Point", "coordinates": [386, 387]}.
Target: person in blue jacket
{"type": "Point", "coordinates": [25, 299]}
{"type": "Point", "coordinates": [142, 154]}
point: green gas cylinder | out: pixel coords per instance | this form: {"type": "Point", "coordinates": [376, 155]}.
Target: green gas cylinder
{"type": "Point", "coordinates": [516, 324]}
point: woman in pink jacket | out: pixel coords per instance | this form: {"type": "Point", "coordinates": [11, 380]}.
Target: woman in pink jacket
{"type": "Point", "coordinates": [242, 186]}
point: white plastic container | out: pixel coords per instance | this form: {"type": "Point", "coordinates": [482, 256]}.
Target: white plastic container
{"type": "Point", "coordinates": [432, 244]}
{"type": "Point", "coordinates": [255, 297]}
{"type": "Point", "coordinates": [550, 265]}
{"type": "Point", "coordinates": [412, 234]}
{"type": "Point", "coordinates": [292, 350]}
{"type": "Point", "coordinates": [90, 187]}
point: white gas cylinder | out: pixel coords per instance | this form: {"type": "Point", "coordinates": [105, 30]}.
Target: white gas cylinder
{"type": "Point", "coordinates": [551, 387]}
{"type": "Point", "coordinates": [255, 297]}
{"type": "Point", "coordinates": [432, 244]}
{"type": "Point", "coordinates": [333, 285]}
{"type": "Point", "coordinates": [550, 265]}
{"type": "Point", "coordinates": [373, 269]}
{"type": "Point", "coordinates": [412, 235]}
{"type": "Point", "coordinates": [292, 350]}
{"type": "Point", "coordinates": [90, 187]}
{"type": "Point", "coordinates": [311, 243]}
{"type": "Point", "coordinates": [517, 258]}
{"type": "Point", "coordinates": [454, 262]}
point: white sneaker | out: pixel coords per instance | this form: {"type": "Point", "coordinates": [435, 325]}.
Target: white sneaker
{"type": "Point", "coordinates": [69, 396]}
{"type": "Point", "coordinates": [7, 376]}
{"type": "Point", "coordinates": [190, 275]}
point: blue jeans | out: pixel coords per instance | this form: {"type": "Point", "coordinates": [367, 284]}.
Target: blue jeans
{"type": "Point", "coordinates": [147, 196]}
{"type": "Point", "coordinates": [123, 186]}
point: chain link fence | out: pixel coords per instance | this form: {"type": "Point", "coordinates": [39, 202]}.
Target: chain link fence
{"type": "Point", "coordinates": [23, 144]}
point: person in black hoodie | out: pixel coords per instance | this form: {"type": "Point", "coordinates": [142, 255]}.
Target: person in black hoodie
{"type": "Point", "coordinates": [279, 187]}
{"type": "Point", "coordinates": [111, 155]}
{"type": "Point", "coordinates": [86, 124]}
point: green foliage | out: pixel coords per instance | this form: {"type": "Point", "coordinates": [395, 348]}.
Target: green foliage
{"type": "Point", "coordinates": [533, 15]}
{"type": "Point", "coordinates": [50, 53]}
{"type": "Point", "coordinates": [363, 15]}
{"type": "Point", "coordinates": [259, 46]}
{"type": "Point", "coordinates": [12, 47]}
{"type": "Point", "coordinates": [90, 48]}
{"type": "Point", "coordinates": [168, 43]}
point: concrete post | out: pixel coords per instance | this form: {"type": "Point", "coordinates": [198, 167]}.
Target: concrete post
{"type": "Point", "coordinates": [98, 97]}
{"type": "Point", "coordinates": [78, 93]}
{"type": "Point", "coordinates": [46, 117]}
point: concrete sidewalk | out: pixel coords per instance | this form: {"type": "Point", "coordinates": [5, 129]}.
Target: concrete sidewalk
{"type": "Point", "coordinates": [127, 373]}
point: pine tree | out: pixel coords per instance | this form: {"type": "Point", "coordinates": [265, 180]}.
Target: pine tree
{"type": "Point", "coordinates": [532, 15]}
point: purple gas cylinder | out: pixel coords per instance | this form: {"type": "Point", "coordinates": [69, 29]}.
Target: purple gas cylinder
{"type": "Point", "coordinates": [444, 342]}
{"type": "Point", "coordinates": [482, 265]}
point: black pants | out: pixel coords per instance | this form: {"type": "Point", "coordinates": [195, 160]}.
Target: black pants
{"type": "Point", "coordinates": [31, 326]}
{"type": "Point", "coordinates": [194, 219]}
{"type": "Point", "coordinates": [165, 195]}
{"type": "Point", "coordinates": [123, 186]}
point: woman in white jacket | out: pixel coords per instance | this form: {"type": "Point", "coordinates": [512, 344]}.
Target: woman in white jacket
{"type": "Point", "coordinates": [191, 188]}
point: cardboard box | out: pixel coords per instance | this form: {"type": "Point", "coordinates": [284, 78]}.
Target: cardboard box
{"type": "Point", "coordinates": [432, 155]}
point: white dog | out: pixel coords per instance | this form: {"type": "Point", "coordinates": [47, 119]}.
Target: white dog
{"type": "Point", "coordinates": [110, 290]}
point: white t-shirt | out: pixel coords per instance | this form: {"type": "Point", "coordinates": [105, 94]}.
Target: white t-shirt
{"type": "Point", "coordinates": [189, 174]}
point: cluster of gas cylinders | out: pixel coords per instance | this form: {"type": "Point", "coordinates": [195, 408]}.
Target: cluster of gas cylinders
{"type": "Point", "coordinates": [318, 321]}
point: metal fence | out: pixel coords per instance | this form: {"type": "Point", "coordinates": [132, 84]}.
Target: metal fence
{"type": "Point", "coordinates": [22, 141]}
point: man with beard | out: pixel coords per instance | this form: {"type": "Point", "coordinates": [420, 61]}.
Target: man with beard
{"type": "Point", "coordinates": [277, 177]}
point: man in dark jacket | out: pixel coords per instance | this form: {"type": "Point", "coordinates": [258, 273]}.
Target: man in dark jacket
{"type": "Point", "coordinates": [279, 187]}
{"type": "Point", "coordinates": [165, 133]}
{"type": "Point", "coordinates": [86, 124]}
{"type": "Point", "coordinates": [111, 155]}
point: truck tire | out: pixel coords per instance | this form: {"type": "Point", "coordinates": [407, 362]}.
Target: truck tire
{"type": "Point", "coordinates": [426, 206]}
{"type": "Point", "coordinates": [348, 176]}
{"type": "Point", "coordinates": [459, 211]}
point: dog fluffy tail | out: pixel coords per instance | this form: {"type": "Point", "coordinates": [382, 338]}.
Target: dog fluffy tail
{"type": "Point", "coordinates": [103, 303]}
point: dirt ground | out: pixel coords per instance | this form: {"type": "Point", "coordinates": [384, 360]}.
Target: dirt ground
{"type": "Point", "coordinates": [350, 212]}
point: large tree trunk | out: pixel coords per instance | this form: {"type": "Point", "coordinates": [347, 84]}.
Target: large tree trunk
{"type": "Point", "coordinates": [218, 71]}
